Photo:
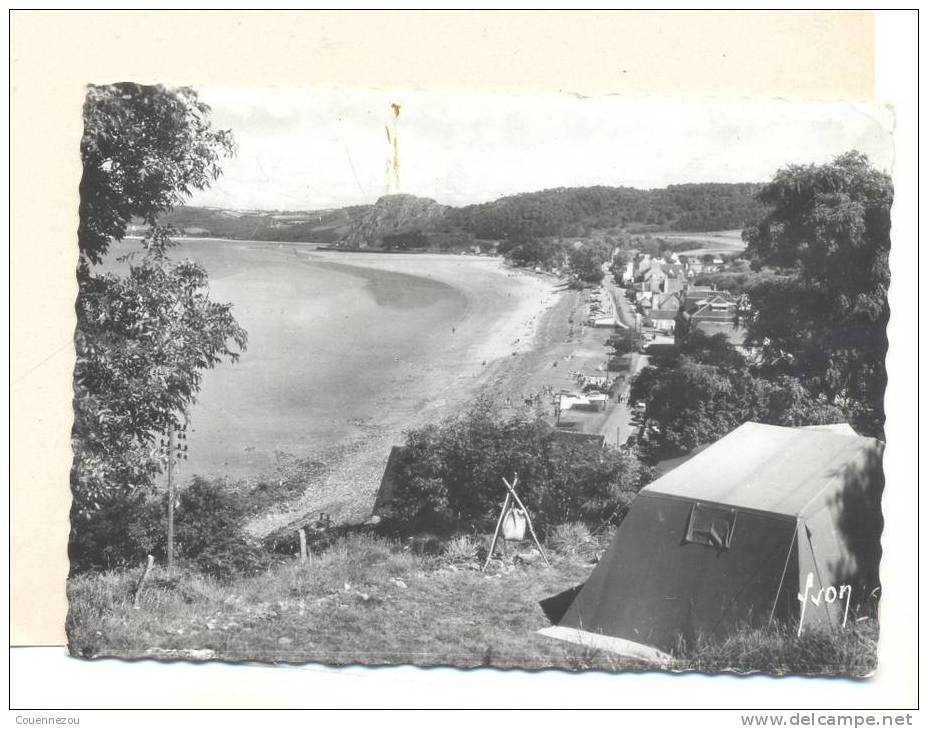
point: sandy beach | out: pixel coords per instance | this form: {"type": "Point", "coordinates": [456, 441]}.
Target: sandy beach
{"type": "Point", "coordinates": [500, 313]}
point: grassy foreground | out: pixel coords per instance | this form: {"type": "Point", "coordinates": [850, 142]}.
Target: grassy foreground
{"type": "Point", "coordinates": [777, 649]}
{"type": "Point", "coordinates": [367, 600]}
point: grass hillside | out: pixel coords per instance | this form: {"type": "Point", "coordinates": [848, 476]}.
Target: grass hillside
{"type": "Point", "coordinates": [365, 600]}
{"type": "Point", "coordinates": [375, 601]}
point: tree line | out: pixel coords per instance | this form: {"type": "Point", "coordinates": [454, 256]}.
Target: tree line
{"type": "Point", "coordinates": [816, 273]}
{"type": "Point", "coordinates": [577, 211]}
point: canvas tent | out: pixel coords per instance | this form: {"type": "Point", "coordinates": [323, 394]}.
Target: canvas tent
{"type": "Point", "coordinates": [730, 537]}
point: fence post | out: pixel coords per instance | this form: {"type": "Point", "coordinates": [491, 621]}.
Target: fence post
{"type": "Point", "coordinates": [302, 533]}
{"type": "Point", "coordinates": [141, 583]}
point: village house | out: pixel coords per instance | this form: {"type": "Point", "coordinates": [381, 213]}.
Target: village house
{"type": "Point", "coordinates": [661, 311]}
{"type": "Point", "coordinates": [711, 312]}
{"type": "Point", "coordinates": [667, 302]}
{"type": "Point", "coordinates": [662, 321]}
{"type": "Point", "coordinates": [628, 273]}
{"type": "Point", "coordinates": [642, 266]}
{"type": "Point", "coordinates": [643, 299]}
{"type": "Point", "coordinates": [655, 279]}
{"type": "Point", "coordinates": [675, 277]}
{"type": "Point", "coordinates": [660, 277]}
{"type": "Point", "coordinates": [694, 267]}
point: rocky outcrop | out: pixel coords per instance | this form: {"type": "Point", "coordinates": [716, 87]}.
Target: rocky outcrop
{"type": "Point", "coordinates": [393, 215]}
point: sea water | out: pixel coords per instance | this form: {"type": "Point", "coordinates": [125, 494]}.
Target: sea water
{"type": "Point", "coordinates": [334, 350]}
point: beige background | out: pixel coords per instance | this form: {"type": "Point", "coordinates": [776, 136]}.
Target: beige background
{"type": "Point", "coordinates": [823, 55]}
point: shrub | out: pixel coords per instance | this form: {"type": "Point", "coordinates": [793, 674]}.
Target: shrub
{"type": "Point", "coordinates": [208, 532]}
{"type": "Point", "coordinates": [586, 262]}
{"type": "Point", "coordinates": [624, 342]}
{"type": "Point", "coordinates": [449, 476]}
{"type": "Point", "coordinates": [462, 550]}
{"type": "Point", "coordinates": [571, 539]}
{"type": "Point", "coordinates": [119, 534]}
{"type": "Point", "coordinates": [699, 392]}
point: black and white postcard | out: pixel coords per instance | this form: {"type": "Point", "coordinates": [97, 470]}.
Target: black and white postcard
{"type": "Point", "coordinates": [518, 381]}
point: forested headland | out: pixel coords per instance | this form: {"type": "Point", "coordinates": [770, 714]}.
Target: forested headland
{"type": "Point", "coordinates": [560, 212]}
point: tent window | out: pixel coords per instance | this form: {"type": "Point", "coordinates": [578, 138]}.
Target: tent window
{"type": "Point", "coordinates": [711, 526]}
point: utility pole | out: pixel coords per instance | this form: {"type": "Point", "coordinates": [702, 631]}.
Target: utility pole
{"type": "Point", "coordinates": [171, 498]}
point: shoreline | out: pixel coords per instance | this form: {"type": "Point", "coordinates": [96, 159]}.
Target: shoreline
{"type": "Point", "coordinates": [506, 317]}
{"type": "Point", "coordinates": [532, 296]}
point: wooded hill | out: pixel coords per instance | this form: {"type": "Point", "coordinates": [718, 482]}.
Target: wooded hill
{"type": "Point", "coordinates": [560, 212]}
{"type": "Point", "coordinates": [577, 211]}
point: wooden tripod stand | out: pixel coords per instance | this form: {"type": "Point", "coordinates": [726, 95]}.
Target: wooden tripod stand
{"type": "Point", "coordinates": [511, 494]}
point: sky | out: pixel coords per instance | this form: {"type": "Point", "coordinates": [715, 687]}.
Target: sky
{"type": "Point", "coordinates": [304, 149]}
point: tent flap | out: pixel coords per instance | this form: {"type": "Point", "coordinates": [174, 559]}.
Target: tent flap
{"type": "Point", "coordinates": [712, 526]}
